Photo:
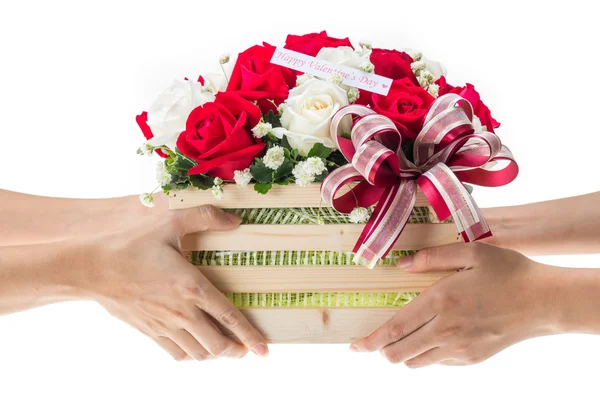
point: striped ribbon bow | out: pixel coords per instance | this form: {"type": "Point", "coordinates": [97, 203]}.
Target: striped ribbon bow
{"type": "Point", "coordinates": [446, 152]}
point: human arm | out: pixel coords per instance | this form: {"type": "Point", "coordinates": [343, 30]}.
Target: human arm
{"type": "Point", "coordinates": [498, 298]}
{"type": "Point", "coordinates": [28, 219]}
{"type": "Point", "coordinates": [564, 226]}
{"type": "Point", "coordinates": [139, 275]}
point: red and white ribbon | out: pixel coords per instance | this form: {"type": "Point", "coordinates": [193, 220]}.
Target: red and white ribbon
{"type": "Point", "coordinates": [447, 152]}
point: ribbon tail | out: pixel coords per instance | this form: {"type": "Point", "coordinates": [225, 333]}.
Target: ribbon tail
{"type": "Point", "coordinates": [448, 197]}
{"type": "Point", "coordinates": [386, 224]}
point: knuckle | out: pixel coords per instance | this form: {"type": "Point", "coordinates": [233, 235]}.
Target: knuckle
{"type": "Point", "coordinates": [395, 331]}
{"type": "Point", "coordinates": [391, 355]}
{"type": "Point", "coordinates": [229, 318]}
{"type": "Point", "coordinates": [196, 291]}
{"type": "Point", "coordinates": [220, 348]}
{"type": "Point", "coordinates": [207, 212]}
{"type": "Point", "coordinates": [448, 332]}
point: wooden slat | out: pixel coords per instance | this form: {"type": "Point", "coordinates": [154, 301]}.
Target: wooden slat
{"type": "Point", "coordinates": [317, 325]}
{"type": "Point", "coordinates": [313, 237]}
{"type": "Point", "coordinates": [263, 279]}
{"type": "Point", "coordinates": [246, 197]}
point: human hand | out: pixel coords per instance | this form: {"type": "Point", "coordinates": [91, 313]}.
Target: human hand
{"type": "Point", "coordinates": [498, 298]}
{"type": "Point", "coordinates": [139, 275]}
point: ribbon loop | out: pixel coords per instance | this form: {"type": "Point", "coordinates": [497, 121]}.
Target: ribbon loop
{"type": "Point", "coordinates": [447, 152]}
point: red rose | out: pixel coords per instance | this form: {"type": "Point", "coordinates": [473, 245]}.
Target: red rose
{"type": "Point", "coordinates": [392, 64]}
{"type": "Point", "coordinates": [312, 43]}
{"type": "Point", "coordinates": [256, 79]}
{"type": "Point", "coordinates": [469, 93]}
{"type": "Point", "coordinates": [406, 104]}
{"type": "Point", "coordinates": [218, 136]}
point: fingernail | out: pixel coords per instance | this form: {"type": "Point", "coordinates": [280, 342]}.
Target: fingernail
{"type": "Point", "coordinates": [234, 218]}
{"type": "Point", "coordinates": [354, 348]}
{"type": "Point", "coordinates": [405, 262]}
{"type": "Point", "coordinates": [261, 350]}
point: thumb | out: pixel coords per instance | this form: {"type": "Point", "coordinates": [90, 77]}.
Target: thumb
{"type": "Point", "coordinates": [449, 257]}
{"type": "Point", "coordinates": [205, 218]}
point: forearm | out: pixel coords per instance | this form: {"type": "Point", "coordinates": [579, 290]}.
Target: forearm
{"type": "Point", "coordinates": [36, 275]}
{"type": "Point", "coordinates": [574, 295]}
{"type": "Point", "coordinates": [565, 226]}
{"type": "Point", "coordinates": [26, 219]}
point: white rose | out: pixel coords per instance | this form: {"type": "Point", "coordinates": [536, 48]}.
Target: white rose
{"type": "Point", "coordinates": [307, 115]}
{"type": "Point", "coordinates": [168, 114]}
{"type": "Point", "coordinates": [344, 55]}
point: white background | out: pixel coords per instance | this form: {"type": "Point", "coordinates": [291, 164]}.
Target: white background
{"type": "Point", "coordinates": [74, 75]}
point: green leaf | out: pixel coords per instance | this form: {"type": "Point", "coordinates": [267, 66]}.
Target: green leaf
{"type": "Point", "coordinates": [260, 172]}
{"type": "Point", "coordinates": [203, 182]}
{"type": "Point", "coordinates": [273, 119]}
{"type": "Point", "coordinates": [337, 158]}
{"type": "Point", "coordinates": [285, 169]}
{"type": "Point", "coordinates": [319, 178]}
{"type": "Point", "coordinates": [263, 188]}
{"type": "Point", "coordinates": [285, 143]}
{"type": "Point", "coordinates": [346, 135]}
{"type": "Point", "coordinates": [319, 150]}
{"type": "Point", "coordinates": [294, 154]}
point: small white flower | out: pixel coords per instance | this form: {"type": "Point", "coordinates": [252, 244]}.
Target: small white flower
{"type": "Point", "coordinates": [217, 181]}
{"type": "Point", "coordinates": [367, 66]}
{"type": "Point", "coordinates": [353, 95]}
{"type": "Point", "coordinates": [217, 191]}
{"type": "Point", "coordinates": [224, 59]}
{"type": "Point", "coordinates": [302, 79]}
{"type": "Point", "coordinates": [314, 166]}
{"type": "Point", "coordinates": [359, 215]}
{"type": "Point", "coordinates": [146, 149]}
{"type": "Point", "coordinates": [434, 89]}
{"type": "Point", "coordinates": [261, 129]}
{"type": "Point", "coordinates": [336, 79]}
{"type": "Point", "coordinates": [147, 199]}
{"type": "Point", "coordinates": [425, 79]}
{"type": "Point", "coordinates": [162, 176]}
{"type": "Point", "coordinates": [418, 56]}
{"type": "Point", "coordinates": [301, 175]}
{"type": "Point", "coordinates": [242, 178]}
{"type": "Point", "coordinates": [418, 65]}
{"type": "Point", "coordinates": [274, 158]}
{"type": "Point", "coordinates": [366, 44]}
{"type": "Point", "coordinates": [206, 89]}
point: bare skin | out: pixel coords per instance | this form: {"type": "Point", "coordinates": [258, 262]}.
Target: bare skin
{"type": "Point", "coordinates": [134, 269]}
{"type": "Point", "coordinates": [499, 297]}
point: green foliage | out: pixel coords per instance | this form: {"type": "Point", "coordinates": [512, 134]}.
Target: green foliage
{"type": "Point", "coordinates": [319, 150]}
{"type": "Point", "coordinates": [273, 119]}
{"type": "Point", "coordinates": [263, 188]}
{"type": "Point", "coordinates": [200, 181]}
{"type": "Point", "coordinates": [260, 172]}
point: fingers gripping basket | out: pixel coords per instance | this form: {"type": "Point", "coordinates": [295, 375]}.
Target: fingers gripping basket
{"type": "Point", "coordinates": [289, 267]}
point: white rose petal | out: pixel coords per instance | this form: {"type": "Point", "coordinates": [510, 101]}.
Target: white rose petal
{"type": "Point", "coordinates": [147, 199]}
{"type": "Point", "coordinates": [261, 129]}
{"type": "Point", "coordinates": [242, 178]}
{"type": "Point", "coordinates": [359, 215]}
{"type": "Point", "coordinates": [345, 55]}
{"type": "Point", "coordinates": [302, 79]}
{"type": "Point", "coordinates": [274, 158]}
{"type": "Point", "coordinates": [169, 113]}
{"type": "Point", "coordinates": [307, 115]}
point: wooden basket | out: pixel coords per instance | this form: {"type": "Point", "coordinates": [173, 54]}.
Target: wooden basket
{"type": "Point", "coordinates": [306, 324]}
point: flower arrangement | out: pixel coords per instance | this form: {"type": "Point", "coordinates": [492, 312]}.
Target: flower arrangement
{"type": "Point", "coordinates": [320, 110]}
